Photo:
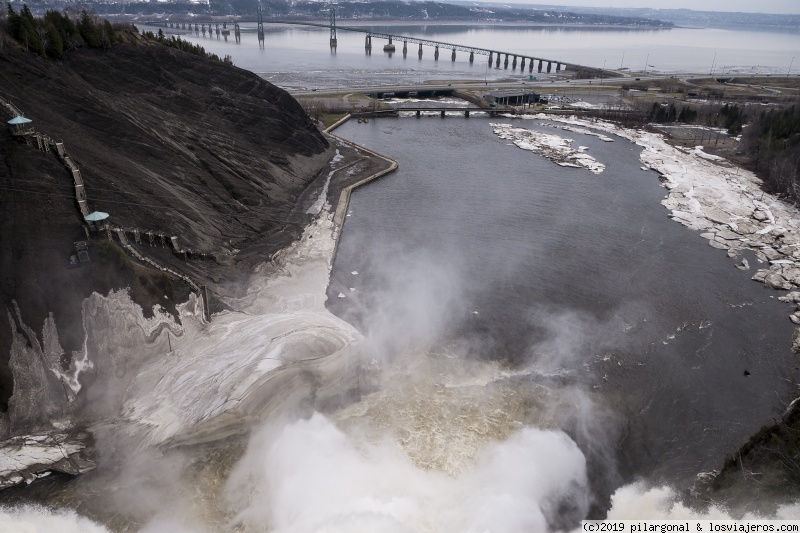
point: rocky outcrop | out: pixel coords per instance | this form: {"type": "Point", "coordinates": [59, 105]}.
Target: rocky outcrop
{"type": "Point", "coordinates": [27, 458]}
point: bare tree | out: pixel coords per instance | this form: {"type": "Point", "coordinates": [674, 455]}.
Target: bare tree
{"type": "Point", "coordinates": [43, 37]}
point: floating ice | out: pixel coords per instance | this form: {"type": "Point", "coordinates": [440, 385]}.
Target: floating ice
{"type": "Point", "coordinates": [705, 195]}
{"type": "Point", "coordinates": [555, 148]}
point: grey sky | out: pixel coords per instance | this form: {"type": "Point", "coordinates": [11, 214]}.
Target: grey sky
{"type": "Point", "coordinates": [747, 6]}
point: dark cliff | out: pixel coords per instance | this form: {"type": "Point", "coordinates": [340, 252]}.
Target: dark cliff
{"type": "Point", "coordinates": [165, 141]}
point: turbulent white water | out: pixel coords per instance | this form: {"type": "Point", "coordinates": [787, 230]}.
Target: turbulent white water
{"type": "Point", "coordinates": [34, 519]}
{"type": "Point", "coordinates": [311, 476]}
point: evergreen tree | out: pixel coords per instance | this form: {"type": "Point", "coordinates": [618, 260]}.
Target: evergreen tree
{"type": "Point", "coordinates": [55, 44]}
{"type": "Point", "coordinates": [89, 31]}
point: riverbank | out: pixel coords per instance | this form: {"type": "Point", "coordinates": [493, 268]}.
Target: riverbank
{"type": "Point", "coordinates": [723, 202]}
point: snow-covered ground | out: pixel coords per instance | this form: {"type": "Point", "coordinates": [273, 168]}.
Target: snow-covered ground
{"type": "Point", "coordinates": [229, 373]}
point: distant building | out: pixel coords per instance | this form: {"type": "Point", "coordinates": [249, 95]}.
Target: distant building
{"type": "Point", "coordinates": [513, 98]}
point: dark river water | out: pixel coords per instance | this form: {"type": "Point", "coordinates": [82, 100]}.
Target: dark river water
{"type": "Point", "coordinates": [581, 275]}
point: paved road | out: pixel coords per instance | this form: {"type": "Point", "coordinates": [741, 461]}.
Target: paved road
{"type": "Point", "coordinates": [541, 84]}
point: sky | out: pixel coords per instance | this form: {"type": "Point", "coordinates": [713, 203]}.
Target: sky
{"type": "Point", "coordinates": [747, 6]}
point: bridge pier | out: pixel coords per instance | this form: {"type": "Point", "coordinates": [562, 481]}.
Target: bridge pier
{"type": "Point", "coordinates": [442, 113]}
{"type": "Point", "coordinates": [497, 61]}
{"type": "Point", "coordinates": [184, 26]}
{"type": "Point", "coordinates": [436, 53]}
{"type": "Point", "coordinates": [490, 59]}
{"type": "Point", "coordinates": [260, 26]}
{"type": "Point", "coordinates": [237, 32]}
{"type": "Point", "coordinates": [558, 67]}
{"type": "Point", "coordinates": [196, 29]}
{"type": "Point", "coordinates": [419, 113]}
{"type": "Point", "coordinates": [420, 50]}
{"type": "Point", "coordinates": [405, 48]}
{"type": "Point", "coordinates": [453, 55]}
{"type": "Point", "coordinates": [505, 63]}
{"type": "Point", "coordinates": [225, 31]}
{"type": "Point", "coordinates": [522, 64]}
{"type": "Point", "coordinates": [217, 29]}
{"type": "Point", "coordinates": [332, 27]}
{"type": "Point", "coordinates": [203, 28]}
{"type": "Point", "coordinates": [466, 113]}
{"type": "Point", "coordinates": [549, 66]}
{"type": "Point", "coordinates": [540, 65]}
{"type": "Point", "coordinates": [530, 66]}
{"type": "Point", "coordinates": [471, 57]}
{"type": "Point", "coordinates": [514, 64]}
{"type": "Point", "coordinates": [368, 44]}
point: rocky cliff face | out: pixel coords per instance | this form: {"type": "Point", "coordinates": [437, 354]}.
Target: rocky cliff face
{"type": "Point", "coordinates": [166, 142]}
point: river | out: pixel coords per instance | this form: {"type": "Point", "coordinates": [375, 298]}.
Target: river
{"type": "Point", "coordinates": [579, 277]}
{"type": "Point", "coordinates": [300, 57]}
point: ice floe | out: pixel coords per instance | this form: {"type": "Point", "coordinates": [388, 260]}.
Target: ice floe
{"type": "Point", "coordinates": [555, 148]}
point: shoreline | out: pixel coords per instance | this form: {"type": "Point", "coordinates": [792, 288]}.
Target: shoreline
{"type": "Point", "coordinates": [340, 212]}
{"type": "Point", "coordinates": [724, 203]}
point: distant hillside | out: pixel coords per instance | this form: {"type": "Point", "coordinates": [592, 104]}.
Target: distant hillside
{"type": "Point", "coordinates": [678, 17]}
{"type": "Point", "coordinates": [349, 10]}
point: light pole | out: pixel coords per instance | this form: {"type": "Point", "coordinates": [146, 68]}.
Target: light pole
{"type": "Point", "coordinates": [711, 72]}
{"type": "Point", "coordinates": [623, 60]}
{"type": "Point", "coordinates": [790, 66]}
{"type": "Point", "coordinates": [646, 61]}
{"type": "Point", "coordinates": [601, 79]}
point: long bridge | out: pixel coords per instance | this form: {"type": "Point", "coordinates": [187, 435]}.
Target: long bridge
{"type": "Point", "coordinates": [495, 56]}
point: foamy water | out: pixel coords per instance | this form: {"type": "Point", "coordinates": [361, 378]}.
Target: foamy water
{"type": "Point", "coordinates": [312, 476]}
{"type": "Point", "coordinates": [35, 519]}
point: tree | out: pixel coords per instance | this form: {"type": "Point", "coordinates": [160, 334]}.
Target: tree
{"type": "Point", "coordinates": [687, 115]}
{"type": "Point", "coordinates": [55, 44]}
{"type": "Point", "coordinates": [70, 36]}
{"type": "Point", "coordinates": [89, 31]}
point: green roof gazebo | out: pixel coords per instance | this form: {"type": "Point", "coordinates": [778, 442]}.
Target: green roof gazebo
{"type": "Point", "coordinates": [96, 220]}
{"type": "Point", "coordinates": [20, 126]}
